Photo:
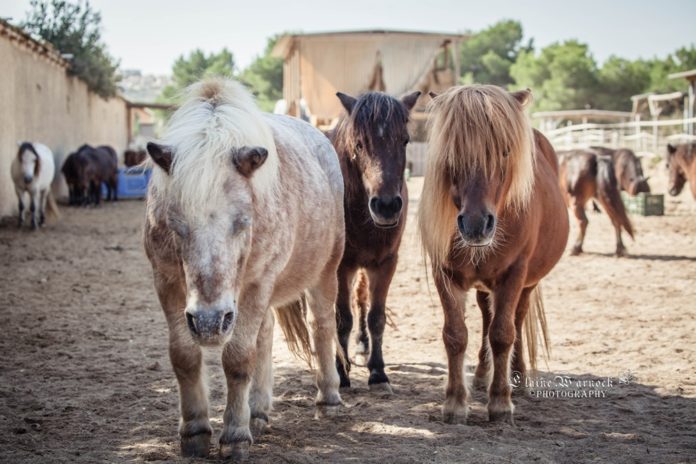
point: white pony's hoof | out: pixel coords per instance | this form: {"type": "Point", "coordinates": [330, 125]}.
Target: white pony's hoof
{"type": "Point", "coordinates": [235, 452]}
{"type": "Point", "coordinates": [327, 410]}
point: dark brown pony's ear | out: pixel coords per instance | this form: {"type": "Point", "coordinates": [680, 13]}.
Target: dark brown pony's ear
{"type": "Point", "coordinates": [433, 95]}
{"type": "Point", "coordinates": [410, 100]}
{"type": "Point", "coordinates": [249, 159]}
{"type": "Point", "coordinates": [347, 101]}
{"type": "Point", "coordinates": [671, 149]}
{"type": "Point", "coordinates": [161, 155]}
{"type": "Point", "coordinates": [524, 97]}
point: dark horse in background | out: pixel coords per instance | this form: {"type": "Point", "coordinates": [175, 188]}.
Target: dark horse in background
{"type": "Point", "coordinates": [681, 164]}
{"type": "Point", "coordinates": [371, 145]}
{"type": "Point", "coordinates": [627, 168]}
{"type": "Point", "coordinates": [86, 169]}
{"type": "Point", "coordinates": [586, 174]}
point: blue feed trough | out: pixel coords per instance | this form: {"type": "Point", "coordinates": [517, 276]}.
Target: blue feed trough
{"type": "Point", "coordinates": [132, 182]}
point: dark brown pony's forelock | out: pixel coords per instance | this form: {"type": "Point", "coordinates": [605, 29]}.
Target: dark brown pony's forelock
{"type": "Point", "coordinates": [371, 110]}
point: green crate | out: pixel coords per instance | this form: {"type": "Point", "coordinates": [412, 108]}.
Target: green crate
{"type": "Point", "coordinates": [644, 204]}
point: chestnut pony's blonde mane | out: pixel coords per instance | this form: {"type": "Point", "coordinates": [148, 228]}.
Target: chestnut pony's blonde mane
{"type": "Point", "coordinates": [474, 128]}
{"type": "Point", "coordinates": [217, 116]}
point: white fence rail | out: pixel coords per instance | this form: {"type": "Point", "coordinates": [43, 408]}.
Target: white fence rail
{"type": "Point", "coordinates": [640, 136]}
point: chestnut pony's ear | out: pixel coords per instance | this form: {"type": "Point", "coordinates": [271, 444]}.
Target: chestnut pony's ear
{"type": "Point", "coordinates": [347, 101]}
{"type": "Point", "coordinates": [524, 97]}
{"type": "Point", "coordinates": [410, 100]}
{"type": "Point", "coordinates": [161, 155]}
{"type": "Point", "coordinates": [671, 149]}
{"type": "Point", "coordinates": [249, 159]}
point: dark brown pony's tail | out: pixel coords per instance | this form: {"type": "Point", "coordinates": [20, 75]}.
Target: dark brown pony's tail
{"type": "Point", "coordinates": [535, 328]}
{"type": "Point", "coordinates": [292, 319]}
{"type": "Point", "coordinates": [609, 195]}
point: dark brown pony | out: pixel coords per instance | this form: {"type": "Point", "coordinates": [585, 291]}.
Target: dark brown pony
{"type": "Point", "coordinates": [371, 145]}
{"type": "Point", "coordinates": [134, 157]}
{"type": "Point", "coordinates": [628, 170]}
{"type": "Point", "coordinates": [492, 218]}
{"type": "Point", "coordinates": [103, 170]}
{"type": "Point", "coordinates": [681, 164]}
{"type": "Point", "coordinates": [586, 174]}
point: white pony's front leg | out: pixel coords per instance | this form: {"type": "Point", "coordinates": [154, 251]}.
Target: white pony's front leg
{"type": "Point", "coordinates": [20, 201]}
{"type": "Point", "coordinates": [261, 395]}
{"type": "Point", "coordinates": [239, 363]}
{"type": "Point", "coordinates": [34, 208]}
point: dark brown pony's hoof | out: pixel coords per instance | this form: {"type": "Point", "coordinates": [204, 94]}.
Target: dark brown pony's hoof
{"type": "Point", "coordinates": [577, 250]}
{"type": "Point", "coordinates": [381, 388]}
{"type": "Point", "coordinates": [196, 446]}
{"type": "Point", "coordinates": [621, 253]}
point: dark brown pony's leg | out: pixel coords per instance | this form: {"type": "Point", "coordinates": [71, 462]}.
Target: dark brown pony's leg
{"type": "Point", "coordinates": [187, 360]}
{"type": "Point", "coordinates": [114, 188]}
{"type": "Point", "coordinates": [362, 295]}
{"type": "Point", "coordinates": [501, 335]}
{"type": "Point", "coordinates": [455, 337]}
{"type": "Point", "coordinates": [482, 376]}
{"type": "Point", "coordinates": [620, 248]}
{"type": "Point", "coordinates": [518, 365]}
{"type": "Point", "coordinates": [579, 210]}
{"type": "Point", "coordinates": [379, 279]}
{"type": "Point", "coordinates": [344, 319]}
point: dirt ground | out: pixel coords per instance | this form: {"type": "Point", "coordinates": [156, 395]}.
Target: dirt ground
{"type": "Point", "coordinates": [85, 377]}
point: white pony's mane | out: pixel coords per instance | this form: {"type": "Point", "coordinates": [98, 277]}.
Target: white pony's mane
{"type": "Point", "coordinates": [217, 116]}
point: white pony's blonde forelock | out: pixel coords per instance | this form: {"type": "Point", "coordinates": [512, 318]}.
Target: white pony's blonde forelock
{"type": "Point", "coordinates": [216, 117]}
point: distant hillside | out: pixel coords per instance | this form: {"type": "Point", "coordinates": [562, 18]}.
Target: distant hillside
{"type": "Point", "coordinates": [138, 87]}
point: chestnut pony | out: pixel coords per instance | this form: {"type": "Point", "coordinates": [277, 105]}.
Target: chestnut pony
{"type": "Point", "coordinates": [586, 174]}
{"type": "Point", "coordinates": [371, 145]}
{"type": "Point", "coordinates": [492, 218]}
{"type": "Point", "coordinates": [681, 164]}
{"type": "Point", "coordinates": [244, 213]}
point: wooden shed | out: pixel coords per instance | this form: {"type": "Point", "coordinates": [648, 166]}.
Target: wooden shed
{"type": "Point", "coordinates": [316, 66]}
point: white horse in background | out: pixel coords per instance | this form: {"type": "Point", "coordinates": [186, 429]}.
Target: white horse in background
{"type": "Point", "coordinates": [32, 172]}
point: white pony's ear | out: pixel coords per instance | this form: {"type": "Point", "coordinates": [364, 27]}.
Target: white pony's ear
{"type": "Point", "coordinates": [161, 155]}
{"type": "Point", "coordinates": [249, 159]}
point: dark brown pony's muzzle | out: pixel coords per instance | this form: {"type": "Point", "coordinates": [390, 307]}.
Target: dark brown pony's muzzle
{"type": "Point", "coordinates": [386, 210]}
{"type": "Point", "coordinates": [477, 229]}
{"type": "Point", "coordinates": [209, 325]}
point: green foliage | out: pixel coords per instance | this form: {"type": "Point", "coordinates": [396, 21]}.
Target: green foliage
{"type": "Point", "coordinates": [265, 77]}
{"type": "Point", "coordinates": [562, 76]}
{"type": "Point", "coordinates": [194, 67]}
{"type": "Point", "coordinates": [488, 55]}
{"type": "Point", "coordinates": [619, 79]}
{"type": "Point", "coordinates": [75, 28]}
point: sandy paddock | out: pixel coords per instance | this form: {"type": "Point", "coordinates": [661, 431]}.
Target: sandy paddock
{"type": "Point", "coordinates": [84, 373]}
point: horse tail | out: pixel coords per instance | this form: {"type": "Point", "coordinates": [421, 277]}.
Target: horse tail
{"type": "Point", "coordinates": [292, 319]}
{"type": "Point", "coordinates": [51, 206]}
{"type": "Point", "coordinates": [535, 328]}
{"type": "Point", "coordinates": [609, 195]}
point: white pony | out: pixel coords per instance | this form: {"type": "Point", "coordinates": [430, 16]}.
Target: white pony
{"type": "Point", "coordinates": [32, 172]}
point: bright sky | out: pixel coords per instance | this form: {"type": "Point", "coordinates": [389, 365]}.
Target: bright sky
{"type": "Point", "coordinates": [150, 35]}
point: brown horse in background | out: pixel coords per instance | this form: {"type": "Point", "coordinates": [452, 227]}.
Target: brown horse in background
{"type": "Point", "coordinates": [371, 145]}
{"type": "Point", "coordinates": [628, 170]}
{"type": "Point", "coordinates": [681, 164]}
{"type": "Point", "coordinates": [585, 174]}
{"type": "Point", "coordinates": [492, 218]}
